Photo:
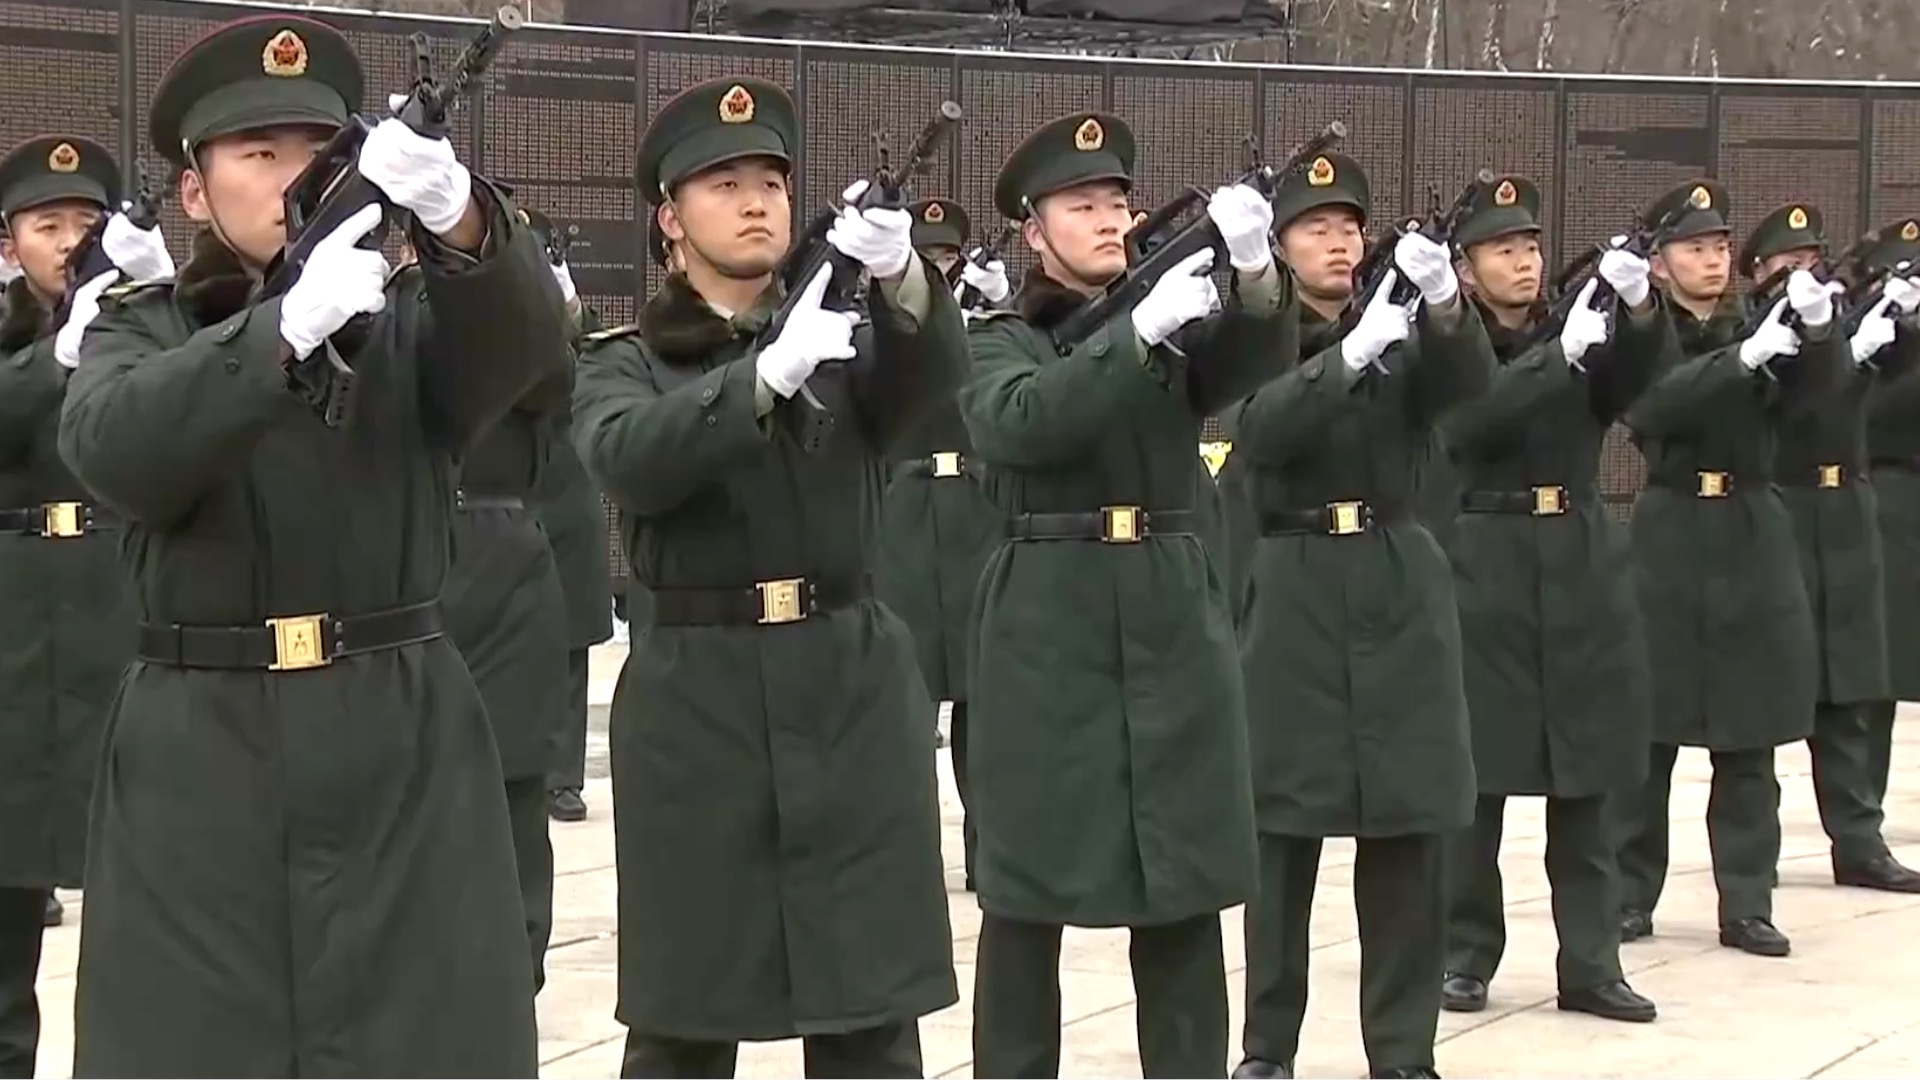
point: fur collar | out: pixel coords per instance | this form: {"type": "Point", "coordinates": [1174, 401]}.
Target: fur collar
{"type": "Point", "coordinates": [1508, 344]}
{"type": "Point", "coordinates": [214, 283]}
{"type": "Point", "coordinates": [25, 320]}
{"type": "Point", "coordinates": [1042, 301]}
{"type": "Point", "coordinates": [679, 326]}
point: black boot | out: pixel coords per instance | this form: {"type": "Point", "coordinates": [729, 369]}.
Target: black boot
{"type": "Point", "coordinates": [1463, 993]}
{"type": "Point", "coordinates": [1255, 1069]}
{"type": "Point", "coordinates": [1884, 873]}
{"type": "Point", "coordinates": [1756, 936]}
{"type": "Point", "coordinates": [56, 911]}
{"type": "Point", "coordinates": [1614, 1001]}
{"type": "Point", "coordinates": [565, 804]}
{"type": "Point", "coordinates": [1635, 925]}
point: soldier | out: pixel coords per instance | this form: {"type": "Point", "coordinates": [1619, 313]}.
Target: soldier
{"type": "Point", "coordinates": [300, 859]}
{"type": "Point", "coordinates": [1351, 645]}
{"type": "Point", "coordinates": [1821, 469]}
{"type": "Point", "coordinates": [937, 525]}
{"type": "Point", "coordinates": [776, 810]}
{"type": "Point", "coordinates": [66, 628]}
{"type": "Point", "coordinates": [1728, 629]}
{"type": "Point", "coordinates": [1893, 443]}
{"type": "Point", "coordinates": [1554, 659]}
{"type": "Point", "coordinates": [1109, 747]}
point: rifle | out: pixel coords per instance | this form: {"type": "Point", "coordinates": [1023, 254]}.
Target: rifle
{"type": "Point", "coordinates": [558, 243]}
{"type": "Point", "coordinates": [88, 259]}
{"type": "Point", "coordinates": [1155, 246]}
{"type": "Point", "coordinates": [1768, 293]}
{"type": "Point", "coordinates": [1565, 286]}
{"type": "Point", "coordinates": [1437, 225]}
{"type": "Point", "coordinates": [970, 297]}
{"type": "Point", "coordinates": [330, 190]}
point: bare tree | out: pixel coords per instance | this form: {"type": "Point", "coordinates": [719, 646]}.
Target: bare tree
{"type": "Point", "coordinates": [1493, 53]}
{"type": "Point", "coordinates": [1543, 44]}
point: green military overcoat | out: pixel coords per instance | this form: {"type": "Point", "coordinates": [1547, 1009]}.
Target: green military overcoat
{"type": "Point", "coordinates": [1108, 731]}
{"type": "Point", "coordinates": [66, 623]}
{"type": "Point", "coordinates": [1893, 444]}
{"type": "Point", "coordinates": [1350, 643]}
{"type": "Point", "coordinates": [1239, 527]}
{"type": "Point", "coordinates": [1554, 657]}
{"type": "Point", "coordinates": [777, 820]}
{"type": "Point", "coordinates": [570, 510]}
{"type": "Point", "coordinates": [1729, 632]}
{"type": "Point", "coordinates": [302, 872]}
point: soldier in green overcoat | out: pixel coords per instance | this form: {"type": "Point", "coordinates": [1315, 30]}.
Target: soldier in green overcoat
{"type": "Point", "coordinates": [1350, 640]}
{"type": "Point", "coordinates": [1109, 731]}
{"type": "Point", "coordinates": [937, 525]}
{"type": "Point", "coordinates": [1554, 661]}
{"type": "Point", "coordinates": [1729, 632]}
{"type": "Point", "coordinates": [66, 625]}
{"type": "Point", "coordinates": [777, 820]}
{"type": "Point", "coordinates": [299, 859]}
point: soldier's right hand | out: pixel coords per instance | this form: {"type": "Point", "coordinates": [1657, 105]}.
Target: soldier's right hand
{"type": "Point", "coordinates": [1774, 339]}
{"type": "Point", "coordinates": [1585, 326]}
{"type": "Point", "coordinates": [1904, 293]}
{"type": "Point", "coordinates": [339, 281]}
{"type": "Point", "coordinates": [1182, 294]}
{"type": "Point", "coordinates": [140, 253]}
{"type": "Point", "coordinates": [1876, 331]}
{"type": "Point", "coordinates": [811, 336]}
{"type": "Point", "coordinates": [1627, 273]}
{"type": "Point", "coordinates": [1811, 297]}
{"type": "Point", "coordinates": [1382, 324]}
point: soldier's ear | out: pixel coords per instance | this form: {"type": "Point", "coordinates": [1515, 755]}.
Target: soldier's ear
{"type": "Point", "coordinates": [1031, 232]}
{"type": "Point", "coordinates": [193, 196]}
{"type": "Point", "coordinates": [1463, 268]}
{"type": "Point", "coordinates": [1657, 264]}
{"type": "Point", "coordinates": [669, 221]}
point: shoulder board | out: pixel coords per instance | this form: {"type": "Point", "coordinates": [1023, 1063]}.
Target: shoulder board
{"type": "Point", "coordinates": [599, 336]}
{"type": "Point", "coordinates": [132, 288]}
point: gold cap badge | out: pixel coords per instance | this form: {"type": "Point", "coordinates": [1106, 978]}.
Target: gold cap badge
{"type": "Point", "coordinates": [64, 159]}
{"type": "Point", "coordinates": [1910, 231]}
{"type": "Point", "coordinates": [935, 213]}
{"type": "Point", "coordinates": [1089, 136]}
{"type": "Point", "coordinates": [1796, 218]}
{"type": "Point", "coordinates": [1505, 195]}
{"type": "Point", "coordinates": [1700, 199]}
{"type": "Point", "coordinates": [736, 106]}
{"type": "Point", "coordinates": [285, 56]}
{"type": "Point", "coordinates": [1321, 173]}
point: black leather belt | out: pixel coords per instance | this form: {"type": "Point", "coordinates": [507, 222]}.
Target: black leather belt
{"type": "Point", "coordinates": [464, 501]}
{"type": "Point", "coordinates": [288, 642]}
{"type": "Point", "coordinates": [1707, 484]}
{"type": "Point", "coordinates": [764, 603]}
{"type": "Point", "coordinates": [1910, 464]}
{"type": "Point", "coordinates": [946, 463]}
{"type": "Point", "coordinates": [1347, 518]}
{"type": "Point", "coordinates": [1109, 525]}
{"type": "Point", "coordinates": [57, 520]}
{"type": "Point", "coordinates": [1541, 500]}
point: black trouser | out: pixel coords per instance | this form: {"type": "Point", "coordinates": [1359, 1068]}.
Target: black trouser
{"type": "Point", "coordinates": [1843, 783]}
{"type": "Point", "coordinates": [1586, 913]}
{"type": "Point", "coordinates": [570, 734]}
{"type": "Point", "coordinates": [1179, 979]}
{"type": "Point", "coordinates": [22, 912]}
{"type": "Point", "coordinates": [1743, 832]}
{"type": "Point", "coordinates": [1880, 747]}
{"type": "Point", "coordinates": [1399, 894]}
{"type": "Point", "coordinates": [890, 1050]}
{"type": "Point", "coordinates": [533, 857]}
{"type": "Point", "coordinates": [957, 729]}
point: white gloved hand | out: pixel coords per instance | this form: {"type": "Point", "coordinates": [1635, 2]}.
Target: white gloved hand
{"type": "Point", "coordinates": [1428, 266]}
{"type": "Point", "coordinates": [811, 335]}
{"type": "Point", "coordinates": [86, 305]}
{"type": "Point", "coordinates": [1627, 273]}
{"type": "Point", "coordinates": [1381, 324]}
{"type": "Point", "coordinates": [881, 239]}
{"type": "Point", "coordinates": [419, 174]}
{"type": "Point", "coordinates": [1811, 297]}
{"type": "Point", "coordinates": [139, 253]}
{"type": "Point", "coordinates": [1585, 327]}
{"type": "Point", "coordinates": [565, 277]}
{"type": "Point", "coordinates": [1774, 338]}
{"type": "Point", "coordinates": [1245, 220]}
{"type": "Point", "coordinates": [1904, 294]}
{"type": "Point", "coordinates": [338, 282]}
{"type": "Point", "coordinates": [991, 279]}
{"type": "Point", "coordinates": [1182, 294]}
{"type": "Point", "coordinates": [1876, 331]}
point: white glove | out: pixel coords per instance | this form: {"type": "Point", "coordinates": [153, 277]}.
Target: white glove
{"type": "Point", "coordinates": [1774, 338]}
{"type": "Point", "coordinates": [338, 282]}
{"type": "Point", "coordinates": [811, 335]}
{"type": "Point", "coordinates": [1245, 220]}
{"type": "Point", "coordinates": [1381, 324]}
{"type": "Point", "coordinates": [419, 174]}
{"type": "Point", "coordinates": [1811, 297]}
{"type": "Point", "coordinates": [86, 305]}
{"type": "Point", "coordinates": [1182, 294]}
{"type": "Point", "coordinates": [1585, 326]}
{"type": "Point", "coordinates": [1627, 273]}
{"type": "Point", "coordinates": [140, 253]}
{"type": "Point", "coordinates": [881, 239]}
{"type": "Point", "coordinates": [1875, 333]}
{"type": "Point", "coordinates": [1903, 292]}
{"type": "Point", "coordinates": [1428, 266]}
{"type": "Point", "coordinates": [990, 279]}
{"type": "Point", "coordinates": [565, 277]}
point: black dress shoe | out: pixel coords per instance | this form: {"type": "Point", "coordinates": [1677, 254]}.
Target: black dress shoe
{"type": "Point", "coordinates": [1463, 993]}
{"type": "Point", "coordinates": [1255, 1069]}
{"type": "Point", "coordinates": [1635, 925]}
{"type": "Point", "coordinates": [1615, 1001]}
{"type": "Point", "coordinates": [1884, 873]}
{"type": "Point", "coordinates": [1756, 936]}
{"type": "Point", "coordinates": [1412, 1072]}
{"type": "Point", "coordinates": [567, 805]}
{"type": "Point", "coordinates": [56, 911]}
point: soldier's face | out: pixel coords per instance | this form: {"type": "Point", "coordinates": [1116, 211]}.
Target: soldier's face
{"type": "Point", "coordinates": [1696, 267]}
{"type": "Point", "coordinates": [941, 256]}
{"type": "Point", "coordinates": [736, 217]}
{"type": "Point", "coordinates": [1797, 259]}
{"type": "Point", "coordinates": [1505, 270]}
{"type": "Point", "coordinates": [1322, 247]}
{"type": "Point", "coordinates": [38, 240]}
{"type": "Point", "coordinates": [1079, 233]}
{"type": "Point", "coordinates": [238, 182]}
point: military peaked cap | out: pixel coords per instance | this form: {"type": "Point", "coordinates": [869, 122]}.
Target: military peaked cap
{"type": "Point", "coordinates": [1329, 180]}
{"type": "Point", "coordinates": [1703, 209]}
{"type": "Point", "coordinates": [1790, 228]}
{"type": "Point", "coordinates": [714, 123]}
{"type": "Point", "coordinates": [1080, 148]}
{"type": "Point", "coordinates": [1894, 244]}
{"type": "Point", "coordinates": [253, 73]}
{"type": "Point", "coordinates": [49, 168]}
{"type": "Point", "coordinates": [939, 223]}
{"type": "Point", "coordinates": [1511, 204]}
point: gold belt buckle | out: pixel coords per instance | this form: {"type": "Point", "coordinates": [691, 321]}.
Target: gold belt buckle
{"type": "Point", "coordinates": [946, 463]}
{"type": "Point", "coordinates": [780, 601]}
{"type": "Point", "coordinates": [1120, 524]}
{"type": "Point", "coordinates": [1348, 517]}
{"type": "Point", "coordinates": [1713, 484]}
{"type": "Point", "coordinates": [63, 520]}
{"type": "Point", "coordinates": [299, 642]}
{"type": "Point", "coordinates": [1549, 500]}
{"type": "Point", "coordinates": [1831, 476]}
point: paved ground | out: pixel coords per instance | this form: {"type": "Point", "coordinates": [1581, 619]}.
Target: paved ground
{"type": "Point", "coordinates": [1846, 1004]}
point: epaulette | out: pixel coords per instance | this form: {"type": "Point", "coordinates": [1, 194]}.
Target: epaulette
{"type": "Point", "coordinates": [610, 334]}
{"type": "Point", "coordinates": [130, 288]}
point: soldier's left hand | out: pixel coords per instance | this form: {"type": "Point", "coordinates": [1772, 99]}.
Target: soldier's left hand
{"type": "Point", "coordinates": [1182, 294]}
{"type": "Point", "coordinates": [83, 309]}
{"type": "Point", "coordinates": [1428, 266]}
{"type": "Point", "coordinates": [1585, 327]}
{"type": "Point", "coordinates": [990, 279]}
{"type": "Point", "coordinates": [419, 174]}
{"type": "Point", "coordinates": [1876, 331]}
{"type": "Point", "coordinates": [1904, 293]}
{"type": "Point", "coordinates": [1810, 297]}
{"type": "Point", "coordinates": [880, 238]}
{"type": "Point", "coordinates": [1245, 220]}
{"type": "Point", "coordinates": [139, 253]}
